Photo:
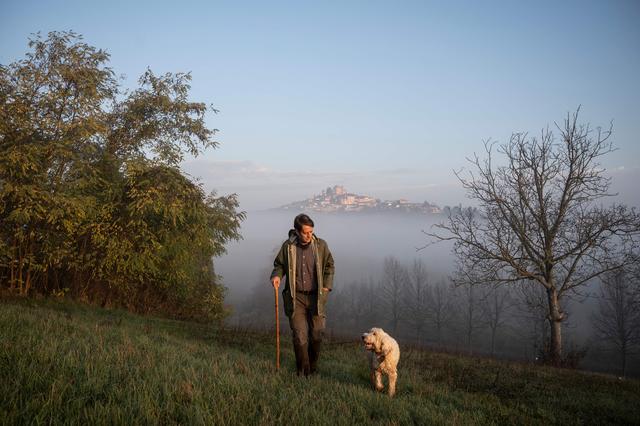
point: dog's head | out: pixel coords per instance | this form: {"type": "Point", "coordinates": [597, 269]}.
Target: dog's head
{"type": "Point", "coordinates": [372, 339]}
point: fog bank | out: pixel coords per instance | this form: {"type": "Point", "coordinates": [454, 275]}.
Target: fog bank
{"type": "Point", "coordinates": [359, 243]}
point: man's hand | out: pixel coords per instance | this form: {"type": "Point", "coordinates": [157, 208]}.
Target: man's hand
{"type": "Point", "coordinates": [275, 282]}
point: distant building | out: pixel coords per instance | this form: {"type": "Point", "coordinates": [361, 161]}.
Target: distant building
{"type": "Point", "coordinates": [337, 199]}
{"type": "Point", "coordinates": [348, 199]}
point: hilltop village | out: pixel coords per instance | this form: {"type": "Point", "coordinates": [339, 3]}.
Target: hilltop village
{"type": "Point", "coordinates": [337, 199]}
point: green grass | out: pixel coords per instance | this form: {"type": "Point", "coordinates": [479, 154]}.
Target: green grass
{"type": "Point", "coordinates": [62, 362]}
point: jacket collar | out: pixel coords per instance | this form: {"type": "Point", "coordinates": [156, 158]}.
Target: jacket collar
{"type": "Point", "coordinates": [293, 237]}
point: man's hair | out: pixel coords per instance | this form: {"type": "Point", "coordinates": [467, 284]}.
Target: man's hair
{"type": "Point", "coordinates": [300, 220]}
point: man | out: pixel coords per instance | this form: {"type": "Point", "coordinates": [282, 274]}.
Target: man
{"type": "Point", "coordinates": [308, 265]}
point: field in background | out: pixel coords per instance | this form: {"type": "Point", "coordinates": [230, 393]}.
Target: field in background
{"type": "Point", "coordinates": [61, 362]}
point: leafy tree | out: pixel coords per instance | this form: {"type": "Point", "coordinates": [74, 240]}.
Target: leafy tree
{"type": "Point", "coordinates": [92, 200]}
{"type": "Point", "coordinates": [50, 109]}
{"type": "Point", "coordinates": [539, 218]}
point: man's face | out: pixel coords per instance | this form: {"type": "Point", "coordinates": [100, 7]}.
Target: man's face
{"type": "Point", "coordinates": [305, 234]}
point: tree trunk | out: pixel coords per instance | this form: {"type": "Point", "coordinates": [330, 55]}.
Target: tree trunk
{"type": "Point", "coordinates": [20, 266]}
{"type": "Point", "coordinates": [12, 282]}
{"type": "Point", "coordinates": [624, 359]}
{"type": "Point", "coordinates": [13, 261]}
{"type": "Point", "coordinates": [555, 320]}
{"type": "Point", "coordinates": [493, 340]}
{"type": "Point", "coordinates": [45, 283]}
{"type": "Point", "coordinates": [27, 284]}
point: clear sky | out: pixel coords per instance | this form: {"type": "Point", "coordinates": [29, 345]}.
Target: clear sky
{"type": "Point", "coordinates": [386, 98]}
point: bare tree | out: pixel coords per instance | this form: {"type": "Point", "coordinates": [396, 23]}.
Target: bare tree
{"type": "Point", "coordinates": [617, 320]}
{"type": "Point", "coordinates": [370, 300]}
{"type": "Point", "coordinates": [394, 280]}
{"type": "Point", "coordinates": [350, 305]}
{"type": "Point", "coordinates": [417, 296]}
{"type": "Point", "coordinates": [441, 308]}
{"type": "Point", "coordinates": [538, 219]}
{"type": "Point", "coordinates": [496, 304]}
{"type": "Point", "coordinates": [531, 314]}
{"type": "Point", "coordinates": [255, 311]}
{"type": "Point", "coordinates": [471, 316]}
{"type": "Point", "coordinates": [338, 309]}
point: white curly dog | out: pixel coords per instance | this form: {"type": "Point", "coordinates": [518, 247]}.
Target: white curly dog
{"type": "Point", "coordinates": [384, 354]}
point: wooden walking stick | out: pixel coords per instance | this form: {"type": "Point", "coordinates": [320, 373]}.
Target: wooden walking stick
{"type": "Point", "coordinates": [275, 288]}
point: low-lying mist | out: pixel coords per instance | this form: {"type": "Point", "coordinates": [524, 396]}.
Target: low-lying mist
{"type": "Point", "coordinates": [359, 244]}
{"type": "Point", "coordinates": [501, 322]}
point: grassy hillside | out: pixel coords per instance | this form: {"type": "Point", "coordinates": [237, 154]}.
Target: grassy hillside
{"type": "Point", "coordinates": [68, 363]}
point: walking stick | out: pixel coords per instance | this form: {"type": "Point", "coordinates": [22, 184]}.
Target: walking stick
{"type": "Point", "coordinates": [275, 288]}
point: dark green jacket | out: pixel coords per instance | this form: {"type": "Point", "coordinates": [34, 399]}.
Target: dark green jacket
{"type": "Point", "coordinates": [285, 264]}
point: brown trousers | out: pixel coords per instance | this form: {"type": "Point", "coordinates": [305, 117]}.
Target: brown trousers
{"type": "Point", "coordinates": [307, 329]}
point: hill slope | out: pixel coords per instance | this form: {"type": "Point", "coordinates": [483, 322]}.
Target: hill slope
{"type": "Point", "coordinates": [68, 363]}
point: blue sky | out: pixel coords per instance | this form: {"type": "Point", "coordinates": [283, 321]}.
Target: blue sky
{"type": "Point", "coordinates": [386, 98]}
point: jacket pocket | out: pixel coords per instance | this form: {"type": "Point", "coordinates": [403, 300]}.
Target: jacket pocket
{"type": "Point", "coordinates": [322, 301]}
{"type": "Point", "coordinates": [288, 302]}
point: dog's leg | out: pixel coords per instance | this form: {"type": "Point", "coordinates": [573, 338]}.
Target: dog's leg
{"type": "Point", "coordinates": [393, 377]}
{"type": "Point", "coordinates": [378, 380]}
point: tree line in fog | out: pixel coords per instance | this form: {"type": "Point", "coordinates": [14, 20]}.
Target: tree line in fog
{"type": "Point", "coordinates": [421, 309]}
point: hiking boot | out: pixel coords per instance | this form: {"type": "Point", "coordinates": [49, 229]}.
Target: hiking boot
{"type": "Point", "coordinates": [302, 359]}
{"type": "Point", "coordinates": [314, 354]}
